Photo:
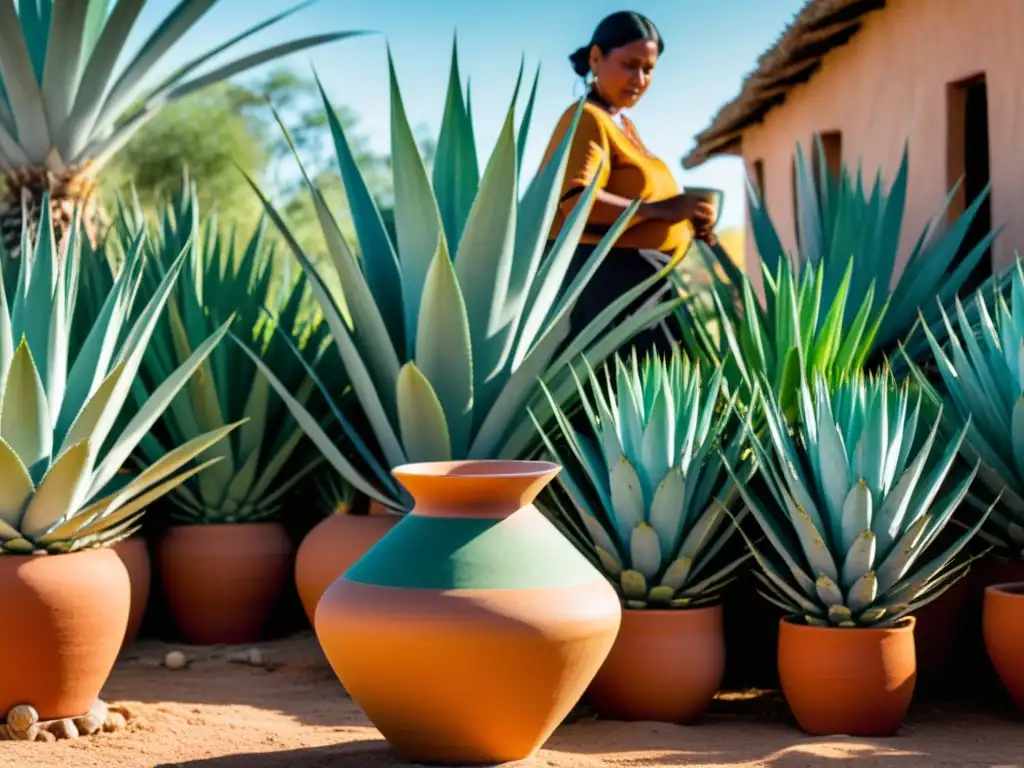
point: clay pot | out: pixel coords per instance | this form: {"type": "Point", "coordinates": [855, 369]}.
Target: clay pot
{"type": "Point", "coordinates": [472, 628]}
{"type": "Point", "coordinates": [665, 666]}
{"type": "Point", "coordinates": [65, 617]}
{"type": "Point", "coordinates": [1003, 628]}
{"type": "Point", "coordinates": [330, 549]}
{"type": "Point", "coordinates": [135, 556]}
{"type": "Point", "coordinates": [857, 682]}
{"type": "Point", "coordinates": [222, 580]}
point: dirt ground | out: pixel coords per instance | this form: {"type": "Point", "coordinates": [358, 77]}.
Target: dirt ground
{"type": "Point", "coordinates": [293, 713]}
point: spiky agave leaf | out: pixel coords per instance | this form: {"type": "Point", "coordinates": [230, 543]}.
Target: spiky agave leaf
{"type": "Point", "coordinates": [645, 481]}
{"type": "Point", "coordinates": [225, 283]}
{"type": "Point", "coordinates": [860, 489]}
{"type": "Point", "coordinates": [981, 388]}
{"type": "Point", "coordinates": [60, 444]}
{"type": "Point", "coordinates": [445, 329]}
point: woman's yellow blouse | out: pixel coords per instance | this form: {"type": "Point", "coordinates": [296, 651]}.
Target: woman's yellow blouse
{"type": "Point", "coordinates": [627, 170]}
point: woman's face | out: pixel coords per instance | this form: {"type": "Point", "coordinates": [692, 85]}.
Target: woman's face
{"type": "Point", "coordinates": [624, 73]}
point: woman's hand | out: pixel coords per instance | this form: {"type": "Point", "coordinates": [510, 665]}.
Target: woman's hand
{"type": "Point", "coordinates": [700, 213]}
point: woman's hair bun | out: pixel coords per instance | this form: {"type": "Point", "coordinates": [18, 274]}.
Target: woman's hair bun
{"type": "Point", "coordinates": [580, 60]}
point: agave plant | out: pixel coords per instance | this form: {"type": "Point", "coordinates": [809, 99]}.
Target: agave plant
{"type": "Point", "coordinates": [334, 493]}
{"type": "Point", "coordinates": [855, 503]}
{"type": "Point", "coordinates": [61, 448]}
{"type": "Point", "coordinates": [648, 489]}
{"type": "Point", "coordinates": [269, 455]}
{"type": "Point", "coordinates": [64, 113]}
{"type": "Point", "coordinates": [982, 389]}
{"type": "Point", "coordinates": [445, 328]}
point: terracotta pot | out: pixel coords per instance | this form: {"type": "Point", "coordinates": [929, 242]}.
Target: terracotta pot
{"type": "Point", "coordinates": [458, 646]}
{"type": "Point", "coordinates": [857, 682]}
{"type": "Point", "coordinates": [1003, 628]}
{"type": "Point", "coordinates": [65, 620]}
{"type": "Point", "coordinates": [135, 556]}
{"type": "Point", "coordinates": [665, 666]}
{"type": "Point", "coordinates": [222, 581]}
{"type": "Point", "coordinates": [330, 549]}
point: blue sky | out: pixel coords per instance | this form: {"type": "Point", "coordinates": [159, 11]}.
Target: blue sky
{"type": "Point", "coordinates": [710, 46]}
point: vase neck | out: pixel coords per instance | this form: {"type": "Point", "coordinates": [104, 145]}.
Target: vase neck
{"type": "Point", "coordinates": [481, 489]}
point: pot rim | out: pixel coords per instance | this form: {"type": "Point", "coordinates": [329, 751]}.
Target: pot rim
{"type": "Point", "coordinates": [14, 559]}
{"type": "Point", "coordinates": [500, 468]}
{"type": "Point", "coordinates": [672, 611]}
{"type": "Point", "coordinates": [906, 624]}
{"type": "Point", "coordinates": [1011, 589]}
{"type": "Point", "coordinates": [262, 524]}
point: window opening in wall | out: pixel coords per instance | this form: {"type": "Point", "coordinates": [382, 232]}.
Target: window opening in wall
{"type": "Point", "coordinates": [832, 148]}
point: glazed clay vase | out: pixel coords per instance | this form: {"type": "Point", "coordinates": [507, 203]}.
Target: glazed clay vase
{"type": "Point", "coordinates": [857, 682]}
{"type": "Point", "coordinates": [331, 547]}
{"type": "Point", "coordinates": [65, 620]}
{"type": "Point", "coordinates": [473, 627]}
{"type": "Point", "coordinates": [221, 581]}
{"type": "Point", "coordinates": [1003, 629]}
{"type": "Point", "coordinates": [135, 556]}
{"type": "Point", "coordinates": [665, 666]}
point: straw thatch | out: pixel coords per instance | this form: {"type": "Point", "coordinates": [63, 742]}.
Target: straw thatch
{"type": "Point", "coordinates": [819, 27]}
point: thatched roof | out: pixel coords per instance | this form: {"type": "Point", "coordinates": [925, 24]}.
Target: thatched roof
{"type": "Point", "coordinates": [819, 27]}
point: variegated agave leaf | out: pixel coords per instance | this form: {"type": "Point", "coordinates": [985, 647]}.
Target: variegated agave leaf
{"type": "Point", "coordinates": [224, 284]}
{"type": "Point", "coordinates": [445, 327]}
{"type": "Point", "coordinates": [981, 387]}
{"type": "Point", "coordinates": [60, 443]}
{"type": "Point", "coordinates": [860, 489]}
{"type": "Point", "coordinates": [648, 494]}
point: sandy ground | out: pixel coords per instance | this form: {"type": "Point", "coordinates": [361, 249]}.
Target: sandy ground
{"type": "Point", "coordinates": [295, 714]}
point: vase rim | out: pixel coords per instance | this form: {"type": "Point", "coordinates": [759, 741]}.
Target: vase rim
{"type": "Point", "coordinates": [478, 468]}
{"type": "Point", "coordinates": [1009, 588]}
{"type": "Point", "coordinates": [906, 624]}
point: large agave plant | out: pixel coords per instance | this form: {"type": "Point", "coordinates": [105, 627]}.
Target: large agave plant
{"type": "Point", "coordinates": [647, 488]}
{"type": "Point", "coordinates": [982, 389]}
{"type": "Point", "coordinates": [445, 328]}
{"type": "Point", "coordinates": [221, 283]}
{"type": "Point", "coordinates": [855, 503]}
{"type": "Point", "coordinates": [64, 112]}
{"type": "Point", "coordinates": [61, 447]}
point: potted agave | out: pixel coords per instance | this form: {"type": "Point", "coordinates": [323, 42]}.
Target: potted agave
{"type": "Point", "coordinates": [980, 387]}
{"type": "Point", "coordinates": [648, 498]}
{"type": "Point", "coordinates": [225, 558]}
{"type": "Point", "coordinates": [60, 448]}
{"type": "Point", "coordinates": [854, 506]}
{"type": "Point", "coordinates": [445, 322]}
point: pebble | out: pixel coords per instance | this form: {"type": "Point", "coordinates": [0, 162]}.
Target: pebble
{"type": "Point", "coordinates": [21, 717]}
{"type": "Point", "coordinates": [100, 717]}
{"type": "Point", "coordinates": [45, 735]}
{"type": "Point", "coordinates": [115, 721]}
{"type": "Point", "coordinates": [253, 656]}
{"type": "Point", "coordinates": [28, 734]}
{"type": "Point", "coordinates": [175, 660]}
{"type": "Point", "coordinates": [64, 728]}
{"type": "Point", "coordinates": [90, 723]}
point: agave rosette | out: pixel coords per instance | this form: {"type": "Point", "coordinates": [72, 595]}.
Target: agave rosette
{"type": "Point", "coordinates": [647, 487]}
{"type": "Point", "coordinates": [61, 448]}
{"type": "Point", "coordinates": [981, 370]}
{"type": "Point", "coordinates": [445, 328]}
{"type": "Point", "coordinates": [221, 283]}
{"type": "Point", "coordinates": [855, 503]}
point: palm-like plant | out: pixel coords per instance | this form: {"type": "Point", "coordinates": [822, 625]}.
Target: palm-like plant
{"type": "Point", "coordinates": [221, 283]}
{"type": "Point", "coordinates": [982, 390]}
{"type": "Point", "coordinates": [648, 491]}
{"type": "Point", "coordinates": [61, 446]}
{"type": "Point", "coordinates": [63, 111]}
{"type": "Point", "coordinates": [445, 328]}
{"type": "Point", "coordinates": [855, 503]}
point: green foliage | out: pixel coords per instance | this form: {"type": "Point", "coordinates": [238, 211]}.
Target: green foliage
{"type": "Point", "coordinates": [60, 102]}
{"type": "Point", "coordinates": [854, 502]}
{"type": "Point", "coordinates": [61, 443]}
{"type": "Point", "coordinates": [228, 282]}
{"type": "Point", "coordinates": [444, 343]}
{"type": "Point", "coordinates": [647, 485]}
{"type": "Point", "coordinates": [981, 384]}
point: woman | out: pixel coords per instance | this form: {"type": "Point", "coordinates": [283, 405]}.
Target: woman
{"type": "Point", "coordinates": [618, 64]}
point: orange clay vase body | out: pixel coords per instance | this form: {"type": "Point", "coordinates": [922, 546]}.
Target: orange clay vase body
{"type": "Point", "coordinates": [1003, 629]}
{"type": "Point", "coordinates": [65, 621]}
{"type": "Point", "coordinates": [331, 547]}
{"type": "Point", "coordinates": [473, 627]}
{"type": "Point", "coordinates": [222, 581]}
{"type": "Point", "coordinates": [665, 666]}
{"type": "Point", "coordinates": [856, 682]}
{"type": "Point", "coordinates": [135, 556]}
